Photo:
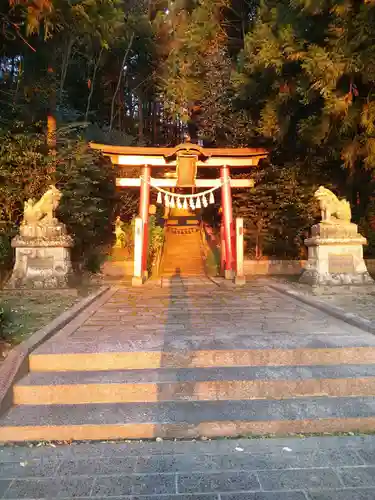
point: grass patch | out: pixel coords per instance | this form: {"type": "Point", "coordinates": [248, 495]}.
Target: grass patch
{"type": "Point", "coordinates": [27, 311]}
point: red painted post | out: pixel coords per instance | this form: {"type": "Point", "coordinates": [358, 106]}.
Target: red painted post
{"type": "Point", "coordinates": [226, 197]}
{"type": "Point", "coordinates": [143, 213]}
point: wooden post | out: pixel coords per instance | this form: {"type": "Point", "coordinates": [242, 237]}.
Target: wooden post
{"type": "Point", "coordinates": [138, 278]}
{"type": "Point", "coordinates": [143, 213]}
{"type": "Point", "coordinates": [240, 274]}
{"type": "Point", "coordinates": [226, 196]}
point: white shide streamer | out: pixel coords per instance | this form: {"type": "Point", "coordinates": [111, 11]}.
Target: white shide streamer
{"type": "Point", "coordinates": [184, 200]}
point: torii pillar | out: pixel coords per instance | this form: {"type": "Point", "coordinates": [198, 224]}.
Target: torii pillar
{"type": "Point", "coordinates": [226, 200]}
{"type": "Point", "coordinates": [144, 207]}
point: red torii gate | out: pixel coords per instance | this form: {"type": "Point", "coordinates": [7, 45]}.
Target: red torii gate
{"type": "Point", "coordinates": [186, 159]}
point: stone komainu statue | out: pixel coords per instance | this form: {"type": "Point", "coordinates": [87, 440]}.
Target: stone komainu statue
{"type": "Point", "coordinates": [333, 210]}
{"type": "Point", "coordinates": [120, 233]}
{"type": "Point", "coordinates": [44, 209]}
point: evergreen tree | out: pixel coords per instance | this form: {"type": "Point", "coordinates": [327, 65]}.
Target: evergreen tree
{"type": "Point", "coordinates": [195, 75]}
{"type": "Point", "coordinates": [307, 77]}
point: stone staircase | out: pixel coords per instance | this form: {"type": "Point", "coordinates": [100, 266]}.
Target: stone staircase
{"type": "Point", "coordinates": [142, 380]}
{"type": "Point", "coordinates": [183, 253]}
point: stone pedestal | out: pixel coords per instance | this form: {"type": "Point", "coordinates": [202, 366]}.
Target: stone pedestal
{"type": "Point", "coordinates": [335, 256]}
{"type": "Point", "coordinates": [42, 256]}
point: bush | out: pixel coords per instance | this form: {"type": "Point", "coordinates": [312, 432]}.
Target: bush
{"type": "Point", "coordinates": [127, 238]}
{"type": "Point", "coordinates": [156, 241]}
{"type": "Point", "coordinates": [6, 251]}
{"type": "Point", "coordinates": [88, 204]}
{"type": "Point", "coordinates": [7, 232]}
{"type": "Point", "coordinates": [367, 228]}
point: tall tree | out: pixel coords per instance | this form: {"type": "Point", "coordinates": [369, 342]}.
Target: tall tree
{"type": "Point", "coordinates": [308, 76]}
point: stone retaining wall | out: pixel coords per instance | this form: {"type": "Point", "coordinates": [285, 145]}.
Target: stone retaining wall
{"type": "Point", "coordinates": [285, 267]}
{"type": "Point", "coordinates": [118, 269]}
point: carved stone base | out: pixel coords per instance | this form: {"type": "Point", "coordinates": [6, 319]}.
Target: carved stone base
{"type": "Point", "coordinates": [335, 256]}
{"type": "Point", "coordinates": [314, 278]}
{"type": "Point", "coordinates": [42, 257]}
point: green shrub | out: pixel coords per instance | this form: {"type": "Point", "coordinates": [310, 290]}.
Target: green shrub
{"type": "Point", "coordinates": [6, 251]}
{"type": "Point", "coordinates": [127, 238]}
{"type": "Point", "coordinates": [156, 241]}
{"type": "Point", "coordinates": [88, 204]}
{"type": "Point", "coordinates": [4, 321]}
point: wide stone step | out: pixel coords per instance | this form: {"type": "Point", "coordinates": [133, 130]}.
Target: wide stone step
{"type": "Point", "coordinates": [195, 385]}
{"type": "Point", "coordinates": [187, 419]}
{"type": "Point", "coordinates": [84, 357]}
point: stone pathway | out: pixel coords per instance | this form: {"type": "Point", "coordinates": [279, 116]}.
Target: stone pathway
{"type": "Point", "coordinates": [325, 468]}
{"type": "Point", "coordinates": [196, 314]}
{"type": "Point", "coordinates": [191, 358]}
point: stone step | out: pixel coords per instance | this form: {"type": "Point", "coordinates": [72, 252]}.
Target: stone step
{"type": "Point", "coordinates": [187, 419]}
{"type": "Point", "coordinates": [78, 357]}
{"type": "Point", "coordinates": [183, 252]}
{"type": "Point", "coordinates": [181, 271]}
{"type": "Point", "coordinates": [221, 384]}
{"type": "Point", "coordinates": [173, 263]}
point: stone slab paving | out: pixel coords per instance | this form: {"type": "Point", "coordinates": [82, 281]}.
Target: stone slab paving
{"type": "Point", "coordinates": [356, 300]}
{"type": "Point", "coordinates": [313, 468]}
{"type": "Point", "coordinates": [187, 316]}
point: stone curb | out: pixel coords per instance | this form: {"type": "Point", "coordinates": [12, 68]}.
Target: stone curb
{"type": "Point", "coordinates": [337, 312]}
{"type": "Point", "coordinates": [16, 364]}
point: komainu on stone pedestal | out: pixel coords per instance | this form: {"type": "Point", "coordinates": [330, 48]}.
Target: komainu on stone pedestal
{"type": "Point", "coordinates": [335, 248]}
{"type": "Point", "coordinates": [42, 247]}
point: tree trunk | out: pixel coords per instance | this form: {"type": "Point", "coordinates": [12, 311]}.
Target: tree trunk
{"type": "Point", "coordinates": [155, 123]}
{"type": "Point", "coordinates": [119, 81]}
{"type": "Point", "coordinates": [140, 120]}
{"type": "Point", "coordinates": [92, 84]}
{"type": "Point", "coordinates": [65, 65]}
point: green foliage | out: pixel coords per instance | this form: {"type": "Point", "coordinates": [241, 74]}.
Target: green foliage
{"type": "Point", "coordinates": [5, 317]}
{"type": "Point", "coordinates": [367, 228]}
{"type": "Point", "coordinates": [7, 232]}
{"type": "Point", "coordinates": [127, 238]}
{"type": "Point", "coordinates": [88, 205]}
{"type": "Point", "coordinates": [69, 61]}
{"type": "Point", "coordinates": [278, 212]}
{"type": "Point", "coordinates": [297, 76]}
{"type": "Point", "coordinates": [25, 170]}
{"type": "Point", "coordinates": [195, 76]}
{"type": "Point", "coordinates": [156, 241]}
{"type": "Point", "coordinates": [307, 77]}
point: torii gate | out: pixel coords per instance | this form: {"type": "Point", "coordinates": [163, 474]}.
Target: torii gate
{"type": "Point", "coordinates": [186, 159]}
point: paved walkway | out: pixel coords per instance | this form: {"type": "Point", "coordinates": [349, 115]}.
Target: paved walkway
{"type": "Point", "coordinates": [197, 314]}
{"type": "Point", "coordinates": [326, 468]}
